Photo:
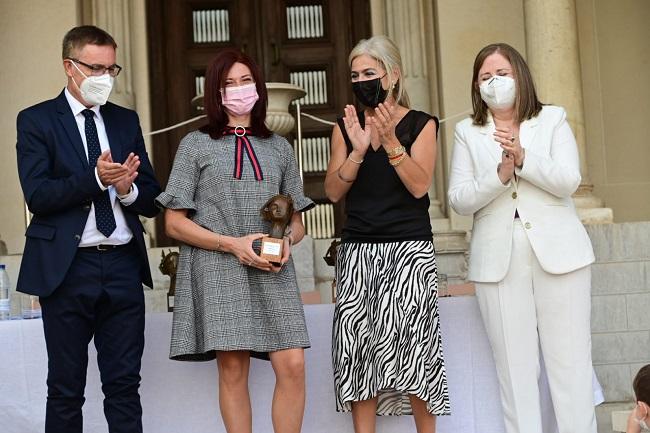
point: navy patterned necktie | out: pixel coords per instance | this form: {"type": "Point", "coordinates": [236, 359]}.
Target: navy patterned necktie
{"type": "Point", "coordinates": [104, 218]}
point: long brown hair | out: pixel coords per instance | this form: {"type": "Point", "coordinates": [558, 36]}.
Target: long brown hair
{"type": "Point", "coordinates": [527, 105]}
{"type": "Point", "coordinates": [215, 78]}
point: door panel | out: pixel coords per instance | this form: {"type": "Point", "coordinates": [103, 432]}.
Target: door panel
{"type": "Point", "coordinates": [304, 42]}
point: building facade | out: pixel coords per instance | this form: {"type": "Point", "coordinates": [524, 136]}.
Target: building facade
{"type": "Point", "coordinates": [590, 56]}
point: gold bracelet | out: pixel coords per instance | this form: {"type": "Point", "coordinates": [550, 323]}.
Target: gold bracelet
{"type": "Point", "coordinates": [356, 162]}
{"type": "Point", "coordinates": [218, 242]}
{"type": "Point", "coordinates": [396, 151]}
{"type": "Point", "coordinates": [398, 161]}
{"type": "Point", "coordinates": [338, 172]}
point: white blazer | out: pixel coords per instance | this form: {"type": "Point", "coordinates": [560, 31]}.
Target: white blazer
{"type": "Point", "coordinates": [541, 195]}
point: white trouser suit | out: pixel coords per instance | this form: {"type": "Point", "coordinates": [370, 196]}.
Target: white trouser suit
{"type": "Point", "coordinates": [532, 274]}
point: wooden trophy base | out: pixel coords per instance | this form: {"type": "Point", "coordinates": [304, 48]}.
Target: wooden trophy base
{"type": "Point", "coordinates": [272, 249]}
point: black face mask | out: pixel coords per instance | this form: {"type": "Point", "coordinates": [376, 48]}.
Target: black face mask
{"type": "Point", "coordinates": [369, 92]}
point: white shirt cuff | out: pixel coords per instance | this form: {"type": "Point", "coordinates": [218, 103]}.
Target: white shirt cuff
{"type": "Point", "coordinates": [99, 182]}
{"type": "Point", "coordinates": [129, 197]}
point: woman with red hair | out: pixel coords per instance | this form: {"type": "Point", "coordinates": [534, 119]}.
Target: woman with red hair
{"type": "Point", "coordinates": [230, 303]}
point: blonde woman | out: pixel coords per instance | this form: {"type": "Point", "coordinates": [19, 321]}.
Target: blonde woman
{"type": "Point", "coordinates": [387, 352]}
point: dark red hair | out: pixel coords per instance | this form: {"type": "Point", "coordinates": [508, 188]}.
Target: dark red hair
{"type": "Point", "coordinates": [215, 78]}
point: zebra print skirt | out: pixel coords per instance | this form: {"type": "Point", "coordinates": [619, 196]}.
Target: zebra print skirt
{"type": "Point", "coordinates": [386, 337]}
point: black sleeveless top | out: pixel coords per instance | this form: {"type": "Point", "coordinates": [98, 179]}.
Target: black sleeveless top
{"type": "Point", "coordinates": [378, 206]}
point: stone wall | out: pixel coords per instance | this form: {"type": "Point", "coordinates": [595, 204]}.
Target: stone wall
{"type": "Point", "coordinates": [620, 305]}
{"type": "Point", "coordinates": [620, 317]}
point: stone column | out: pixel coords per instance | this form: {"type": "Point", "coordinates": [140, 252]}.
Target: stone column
{"type": "Point", "coordinates": [553, 57]}
{"type": "Point", "coordinates": [409, 24]}
{"type": "Point", "coordinates": [114, 16]}
{"type": "Point", "coordinates": [125, 20]}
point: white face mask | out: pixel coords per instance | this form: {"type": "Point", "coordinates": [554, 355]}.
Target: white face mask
{"type": "Point", "coordinates": [95, 90]}
{"type": "Point", "coordinates": [498, 92]}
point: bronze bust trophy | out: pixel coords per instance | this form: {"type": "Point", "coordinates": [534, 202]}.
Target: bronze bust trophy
{"type": "Point", "coordinates": [278, 211]}
{"type": "Point", "coordinates": [168, 266]}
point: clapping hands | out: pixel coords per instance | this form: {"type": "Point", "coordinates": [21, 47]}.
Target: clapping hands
{"type": "Point", "coordinates": [385, 122]}
{"type": "Point", "coordinates": [506, 168]}
{"type": "Point", "coordinates": [121, 176]}
{"type": "Point", "coordinates": [510, 144]}
{"type": "Point", "coordinates": [359, 137]}
{"type": "Point", "coordinates": [512, 155]}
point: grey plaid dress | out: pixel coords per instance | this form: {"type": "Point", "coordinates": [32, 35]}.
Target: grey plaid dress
{"type": "Point", "coordinates": [221, 304]}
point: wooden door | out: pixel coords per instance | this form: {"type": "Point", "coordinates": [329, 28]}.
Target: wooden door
{"type": "Point", "coordinates": [304, 42]}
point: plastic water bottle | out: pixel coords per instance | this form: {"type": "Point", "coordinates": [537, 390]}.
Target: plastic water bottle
{"type": "Point", "coordinates": [31, 307]}
{"type": "Point", "coordinates": [5, 300]}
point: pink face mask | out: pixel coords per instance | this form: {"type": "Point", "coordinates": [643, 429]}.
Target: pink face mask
{"type": "Point", "coordinates": [239, 100]}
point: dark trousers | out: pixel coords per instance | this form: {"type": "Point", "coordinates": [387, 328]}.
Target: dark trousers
{"type": "Point", "coordinates": [101, 297]}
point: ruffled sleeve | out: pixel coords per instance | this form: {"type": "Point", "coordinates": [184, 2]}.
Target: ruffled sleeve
{"type": "Point", "coordinates": [183, 179]}
{"type": "Point", "coordinates": [291, 181]}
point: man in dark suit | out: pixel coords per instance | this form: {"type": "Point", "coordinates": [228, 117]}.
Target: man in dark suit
{"type": "Point", "coordinates": [87, 179]}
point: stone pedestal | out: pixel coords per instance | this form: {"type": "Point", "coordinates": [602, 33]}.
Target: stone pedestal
{"type": "Point", "coordinates": [452, 254]}
{"type": "Point", "coordinates": [591, 209]}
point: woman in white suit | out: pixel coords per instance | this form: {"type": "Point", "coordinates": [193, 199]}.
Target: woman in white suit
{"type": "Point", "coordinates": [514, 167]}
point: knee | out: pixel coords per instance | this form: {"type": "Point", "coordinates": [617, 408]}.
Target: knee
{"type": "Point", "coordinates": [57, 399]}
{"type": "Point", "coordinates": [232, 372]}
{"type": "Point", "coordinates": [126, 385]}
{"type": "Point", "coordinates": [292, 368]}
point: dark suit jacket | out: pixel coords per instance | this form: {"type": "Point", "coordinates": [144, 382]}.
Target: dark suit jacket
{"type": "Point", "coordinates": [59, 186]}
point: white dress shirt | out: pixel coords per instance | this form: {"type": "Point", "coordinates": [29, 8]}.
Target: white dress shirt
{"type": "Point", "coordinates": [91, 236]}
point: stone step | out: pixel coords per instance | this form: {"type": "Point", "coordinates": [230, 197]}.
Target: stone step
{"type": "Point", "coordinates": [619, 420]}
{"type": "Point", "coordinates": [608, 416]}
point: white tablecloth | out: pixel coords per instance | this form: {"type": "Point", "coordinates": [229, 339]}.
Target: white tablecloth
{"type": "Point", "coordinates": [179, 397]}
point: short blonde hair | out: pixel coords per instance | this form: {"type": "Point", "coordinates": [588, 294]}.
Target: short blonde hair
{"type": "Point", "coordinates": [382, 49]}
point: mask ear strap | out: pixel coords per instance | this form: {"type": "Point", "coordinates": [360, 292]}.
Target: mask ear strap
{"type": "Point", "coordinates": [636, 413]}
{"type": "Point", "coordinates": [73, 80]}
{"type": "Point", "coordinates": [643, 405]}
{"type": "Point", "coordinates": [80, 71]}
{"type": "Point", "coordinates": [77, 68]}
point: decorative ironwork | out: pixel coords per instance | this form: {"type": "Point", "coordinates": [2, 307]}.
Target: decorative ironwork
{"type": "Point", "coordinates": [211, 26]}
{"type": "Point", "coordinates": [305, 22]}
{"type": "Point", "coordinates": [319, 221]}
{"type": "Point", "coordinates": [315, 153]}
{"type": "Point", "coordinates": [314, 83]}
